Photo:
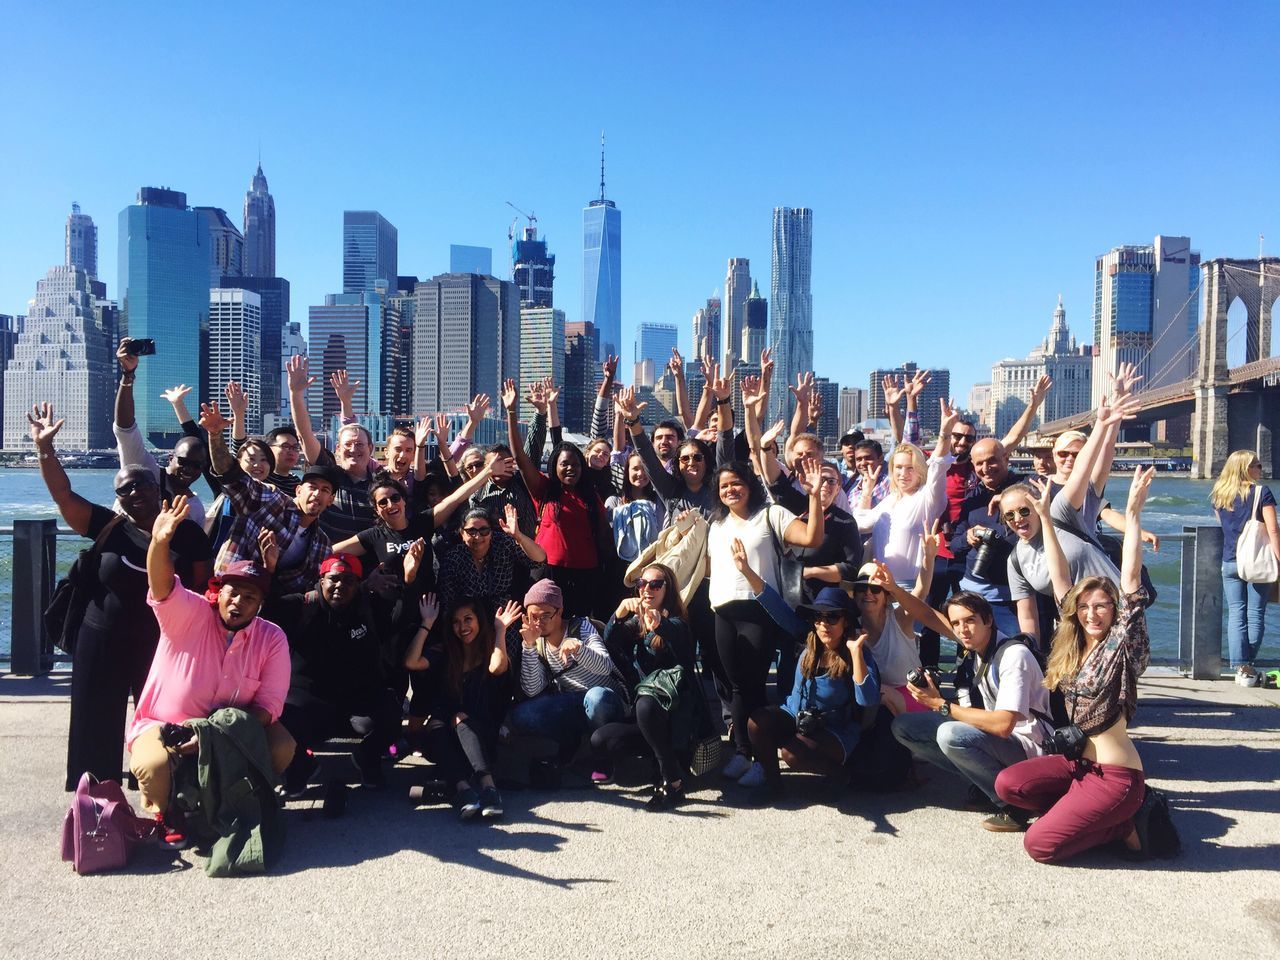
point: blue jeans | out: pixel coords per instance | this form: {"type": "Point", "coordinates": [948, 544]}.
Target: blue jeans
{"type": "Point", "coordinates": [566, 717]}
{"type": "Point", "coordinates": [951, 745]}
{"type": "Point", "coordinates": [1246, 615]}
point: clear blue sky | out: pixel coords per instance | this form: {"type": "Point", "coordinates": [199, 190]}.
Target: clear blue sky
{"type": "Point", "coordinates": [965, 163]}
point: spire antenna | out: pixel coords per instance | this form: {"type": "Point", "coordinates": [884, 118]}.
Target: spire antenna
{"type": "Point", "coordinates": [602, 166]}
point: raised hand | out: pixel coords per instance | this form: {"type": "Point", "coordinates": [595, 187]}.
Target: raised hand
{"type": "Point", "coordinates": [477, 408]}
{"type": "Point", "coordinates": [1043, 499]}
{"type": "Point", "coordinates": [815, 407]}
{"type": "Point", "coordinates": [917, 384]}
{"type": "Point", "coordinates": [43, 426]}
{"type": "Point", "coordinates": [424, 431]}
{"type": "Point", "coordinates": [950, 416]}
{"type": "Point", "coordinates": [718, 385]}
{"type": "Point", "coordinates": [237, 399]}
{"type": "Point", "coordinates": [1117, 410]}
{"type": "Point", "coordinates": [803, 388]}
{"type": "Point", "coordinates": [174, 394]}
{"type": "Point", "coordinates": [509, 395]}
{"type": "Point", "coordinates": [412, 561]}
{"type": "Point", "coordinates": [296, 369]}
{"type": "Point", "coordinates": [501, 468]}
{"type": "Point", "coordinates": [442, 430]}
{"type": "Point", "coordinates": [625, 401]}
{"type": "Point", "coordinates": [509, 522]}
{"type": "Point", "coordinates": [1139, 488]}
{"type": "Point", "coordinates": [931, 541]}
{"type": "Point", "coordinates": [1041, 389]}
{"type": "Point", "coordinates": [806, 476]}
{"type": "Point", "coordinates": [344, 387]}
{"type": "Point", "coordinates": [211, 419]}
{"type": "Point", "coordinates": [506, 616]}
{"type": "Point", "coordinates": [766, 365]}
{"type": "Point", "coordinates": [429, 609]}
{"type": "Point", "coordinates": [171, 515]}
{"type": "Point", "coordinates": [529, 632]}
{"type": "Point", "coordinates": [857, 643]}
{"type": "Point", "coordinates": [1124, 380]}
{"type": "Point", "coordinates": [676, 363]}
{"type": "Point", "coordinates": [128, 361]}
{"type": "Point", "coordinates": [751, 392]}
{"type": "Point", "coordinates": [551, 390]}
{"type": "Point", "coordinates": [538, 396]}
{"type": "Point", "coordinates": [770, 436]}
{"type": "Point", "coordinates": [610, 366]}
{"type": "Point", "coordinates": [268, 549]}
{"type": "Point", "coordinates": [893, 391]}
{"type": "Point", "coordinates": [882, 577]}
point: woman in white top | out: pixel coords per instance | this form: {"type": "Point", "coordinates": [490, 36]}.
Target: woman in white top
{"type": "Point", "coordinates": [917, 496]}
{"type": "Point", "coordinates": [746, 636]}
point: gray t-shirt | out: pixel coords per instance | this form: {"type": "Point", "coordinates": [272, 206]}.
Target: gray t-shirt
{"type": "Point", "coordinates": [1028, 570]}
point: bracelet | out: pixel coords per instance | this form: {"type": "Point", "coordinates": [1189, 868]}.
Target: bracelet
{"type": "Point", "coordinates": [724, 401]}
{"type": "Point", "coordinates": [127, 379]}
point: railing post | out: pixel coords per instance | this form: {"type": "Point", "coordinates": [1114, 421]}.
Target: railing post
{"type": "Point", "coordinates": [1186, 600]}
{"type": "Point", "coordinates": [1206, 604]}
{"type": "Point", "coordinates": [34, 558]}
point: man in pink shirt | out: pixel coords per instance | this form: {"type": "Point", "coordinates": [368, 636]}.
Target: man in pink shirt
{"type": "Point", "coordinates": [212, 653]}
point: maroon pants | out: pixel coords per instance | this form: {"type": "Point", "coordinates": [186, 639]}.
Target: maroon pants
{"type": "Point", "coordinates": [1082, 804]}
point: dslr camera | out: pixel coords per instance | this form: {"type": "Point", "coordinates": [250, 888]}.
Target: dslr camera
{"type": "Point", "coordinates": [809, 723]}
{"type": "Point", "coordinates": [920, 677]}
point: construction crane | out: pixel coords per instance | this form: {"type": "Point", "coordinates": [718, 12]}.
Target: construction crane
{"type": "Point", "coordinates": [511, 230]}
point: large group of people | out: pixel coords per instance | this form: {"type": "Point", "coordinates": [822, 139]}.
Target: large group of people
{"type": "Point", "coordinates": [463, 602]}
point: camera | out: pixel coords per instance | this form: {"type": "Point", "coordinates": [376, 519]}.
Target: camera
{"type": "Point", "coordinates": [990, 556]}
{"type": "Point", "coordinates": [1069, 742]}
{"type": "Point", "coordinates": [142, 347]}
{"type": "Point", "coordinates": [809, 723]}
{"type": "Point", "coordinates": [920, 677]}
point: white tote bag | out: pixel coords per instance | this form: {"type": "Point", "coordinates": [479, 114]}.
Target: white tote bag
{"type": "Point", "coordinates": [1255, 563]}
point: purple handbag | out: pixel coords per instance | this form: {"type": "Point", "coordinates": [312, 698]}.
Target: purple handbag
{"type": "Point", "coordinates": [101, 829]}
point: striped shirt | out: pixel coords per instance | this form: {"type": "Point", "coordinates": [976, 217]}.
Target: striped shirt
{"type": "Point", "coordinates": [590, 666]}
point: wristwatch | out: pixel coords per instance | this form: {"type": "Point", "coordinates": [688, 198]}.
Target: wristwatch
{"type": "Point", "coordinates": [945, 708]}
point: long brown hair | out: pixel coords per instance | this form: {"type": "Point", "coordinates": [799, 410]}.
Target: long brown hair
{"type": "Point", "coordinates": [1069, 641]}
{"type": "Point", "coordinates": [817, 657]}
{"type": "Point", "coordinates": [478, 652]}
{"type": "Point", "coordinates": [672, 602]}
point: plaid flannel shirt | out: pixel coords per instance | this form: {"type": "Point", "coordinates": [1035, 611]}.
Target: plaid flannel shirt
{"type": "Point", "coordinates": [258, 507]}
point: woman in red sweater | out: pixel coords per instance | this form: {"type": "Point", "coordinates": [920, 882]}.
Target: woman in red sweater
{"type": "Point", "coordinates": [571, 524]}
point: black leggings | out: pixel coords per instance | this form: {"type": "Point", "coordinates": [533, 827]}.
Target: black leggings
{"type": "Point", "coordinates": [582, 590]}
{"type": "Point", "coordinates": [652, 728]}
{"type": "Point", "coordinates": [461, 750]}
{"type": "Point", "coordinates": [107, 667]}
{"type": "Point", "coordinates": [702, 622]}
{"type": "Point", "coordinates": [746, 638]}
{"type": "Point", "coordinates": [311, 720]}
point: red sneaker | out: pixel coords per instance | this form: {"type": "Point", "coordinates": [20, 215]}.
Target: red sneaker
{"type": "Point", "coordinates": [172, 830]}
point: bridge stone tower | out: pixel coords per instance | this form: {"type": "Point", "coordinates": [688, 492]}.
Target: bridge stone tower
{"type": "Point", "coordinates": [1256, 284]}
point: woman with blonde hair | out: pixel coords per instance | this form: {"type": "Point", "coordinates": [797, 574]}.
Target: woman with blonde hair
{"type": "Point", "coordinates": [1092, 790]}
{"type": "Point", "coordinates": [917, 496]}
{"type": "Point", "coordinates": [1238, 498]}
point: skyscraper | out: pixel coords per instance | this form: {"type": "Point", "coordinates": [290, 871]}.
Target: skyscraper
{"type": "Point", "coordinates": [792, 302]}
{"type": "Point", "coordinates": [345, 334]}
{"type": "Point", "coordinates": [1069, 366]}
{"type": "Point", "coordinates": [938, 387]}
{"type": "Point", "coordinates": [1145, 312]}
{"type": "Point", "coordinates": [226, 245]}
{"type": "Point", "coordinates": [235, 347]}
{"type": "Point", "coordinates": [533, 268]}
{"type": "Point", "coordinates": [369, 251]}
{"type": "Point", "coordinates": [8, 340]}
{"type": "Point", "coordinates": [602, 269]}
{"type": "Point", "coordinates": [578, 398]}
{"type": "Point", "coordinates": [82, 242]}
{"type": "Point", "coordinates": [755, 327]}
{"type": "Point", "coordinates": [259, 228]}
{"type": "Point", "coordinates": [829, 421]}
{"type": "Point", "coordinates": [292, 344]}
{"type": "Point", "coordinates": [401, 376]}
{"type": "Point", "coordinates": [655, 341]}
{"type": "Point", "coordinates": [466, 339]}
{"type": "Point", "coordinates": [541, 349]}
{"type": "Point", "coordinates": [853, 408]}
{"type": "Point", "coordinates": [464, 259]}
{"type": "Point", "coordinates": [164, 295]}
{"type": "Point", "coordinates": [273, 298]}
{"type": "Point", "coordinates": [737, 284]}
{"type": "Point", "coordinates": [62, 356]}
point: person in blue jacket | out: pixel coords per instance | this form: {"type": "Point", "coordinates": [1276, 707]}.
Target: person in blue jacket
{"type": "Point", "coordinates": [820, 724]}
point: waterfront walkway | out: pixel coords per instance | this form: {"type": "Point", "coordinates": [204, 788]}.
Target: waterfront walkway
{"type": "Point", "coordinates": [591, 874]}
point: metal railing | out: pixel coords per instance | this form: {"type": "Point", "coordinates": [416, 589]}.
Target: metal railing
{"type": "Point", "coordinates": [36, 569]}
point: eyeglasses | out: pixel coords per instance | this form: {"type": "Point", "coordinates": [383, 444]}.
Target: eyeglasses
{"type": "Point", "coordinates": [872, 588]}
{"type": "Point", "coordinates": [287, 447]}
{"type": "Point", "coordinates": [388, 500]}
{"type": "Point", "coordinates": [1012, 515]}
{"type": "Point", "coordinates": [828, 616]}
{"type": "Point", "coordinates": [690, 458]}
{"type": "Point", "coordinates": [534, 617]}
{"type": "Point", "coordinates": [477, 531]}
{"type": "Point", "coordinates": [829, 481]}
{"type": "Point", "coordinates": [1095, 607]}
{"type": "Point", "coordinates": [657, 583]}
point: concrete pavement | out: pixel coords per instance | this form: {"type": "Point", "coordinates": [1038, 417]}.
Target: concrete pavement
{"type": "Point", "coordinates": [592, 874]}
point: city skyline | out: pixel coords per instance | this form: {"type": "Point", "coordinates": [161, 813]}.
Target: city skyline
{"type": "Point", "coordinates": [900, 219]}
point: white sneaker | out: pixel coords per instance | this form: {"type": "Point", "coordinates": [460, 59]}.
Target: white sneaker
{"type": "Point", "coordinates": [1246, 676]}
{"type": "Point", "coordinates": [753, 777]}
{"type": "Point", "coordinates": [738, 764]}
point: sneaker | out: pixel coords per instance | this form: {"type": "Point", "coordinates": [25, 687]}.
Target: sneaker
{"type": "Point", "coordinates": [171, 830]}
{"type": "Point", "coordinates": [602, 775]}
{"type": "Point", "coordinates": [738, 764]}
{"type": "Point", "coordinates": [1246, 676]}
{"type": "Point", "coordinates": [468, 803]}
{"type": "Point", "coordinates": [490, 803]}
{"type": "Point", "coordinates": [754, 777]}
{"type": "Point", "coordinates": [1006, 821]}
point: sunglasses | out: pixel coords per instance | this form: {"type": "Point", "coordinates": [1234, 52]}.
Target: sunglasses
{"type": "Point", "coordinates": [829, 481]}
{"type": "Point", "coordinates": [389, 499]}
{"type": "Point", "coordinates": [872, 588]}
{"type": "Point", "coordinates": [828, 616]}
{"type": "Point", "coordinates": [477, 531]}
{"type": "Point", "coordinates": [690, 458]}
{"type": "Point", "coordinates": [657, 583]}
{"type": "Point", "coordinates": [964, 436]}
{"type": "Point", "coordinates": [1066, 454]}
{"type": "Point", "coordinates": [1012, 515]}
{"type": "Point", "coordinates": [133, 486]}
{"type": "Point", "coordinates": [190, 462]}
